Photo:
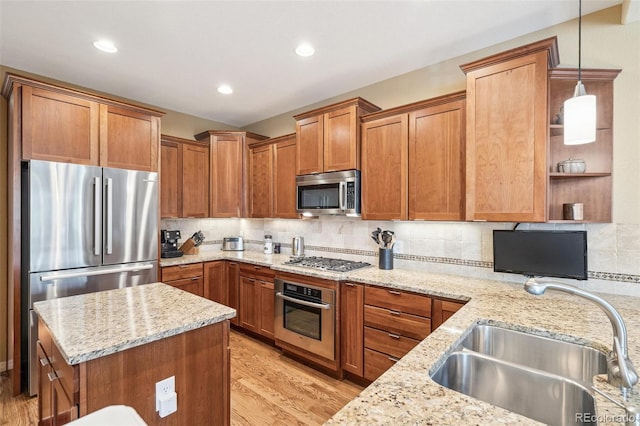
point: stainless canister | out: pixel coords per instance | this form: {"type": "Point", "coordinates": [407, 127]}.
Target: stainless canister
{"type": "Point", "coordinates": [297, 247]}
{"type": "Point", "coordinates": [573, 211]}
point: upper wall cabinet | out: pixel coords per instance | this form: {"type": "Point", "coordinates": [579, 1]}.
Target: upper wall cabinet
{"type": "Point", "coordinates": [273, 178]}
{"type": "Point", "coordinates": [592, 186]}
{"type": "Point", "coordinates": [507, 128]}
{"type": "Point", "coordinates": [328, 138]}
{"type": "Point", "coordinates": [184, 178]}
{"type": "Point", "coordinates": [413, 161]}
{"type": "Point", "coordinates": [70, 126]}
{"type": "Point", "coordinates": [229, 178]}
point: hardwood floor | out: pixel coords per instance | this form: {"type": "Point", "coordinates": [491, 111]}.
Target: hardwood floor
{"type": "Point", "coordinates": [267, 388]}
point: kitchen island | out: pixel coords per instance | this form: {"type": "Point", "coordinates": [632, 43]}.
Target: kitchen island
{"type": "Point", "coordinates": [406, 394]}
{"type": "Point", "coordinates": [112, 347]}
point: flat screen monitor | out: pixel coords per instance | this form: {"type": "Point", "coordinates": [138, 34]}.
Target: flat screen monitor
{"type": "Point", "coordinates": [561, 254]}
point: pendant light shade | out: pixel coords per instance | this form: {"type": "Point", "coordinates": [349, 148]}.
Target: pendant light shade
{"type": "Point", "coordinates": [580, 110]}
{"type": "Point", "coordinates": [580, 118]}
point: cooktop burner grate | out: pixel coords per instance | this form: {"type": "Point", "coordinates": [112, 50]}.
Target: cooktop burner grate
{"type": "Point", "coordinates": [326, 263]}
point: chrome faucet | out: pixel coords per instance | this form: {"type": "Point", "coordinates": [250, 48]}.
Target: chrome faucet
{"type": "Point", "coordinates": [620, 369]}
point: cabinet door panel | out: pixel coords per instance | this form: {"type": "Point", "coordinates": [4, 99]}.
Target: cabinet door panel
{"type": "Point", "coordinates": [215, 282]}
{"type": "Point", "coordinates": [57, 127]}
{"type": "Point", "coordinates": [170, 179]}
{"type": "Point", "coordinates": [398, 323]}
{"type": "Point", "coordinates": [261, 179]}
{"type": "Point", "coordinates": [376, 363]}
{"type": "Point", "coordinates": [384, 168]}
{"type": "Point", "coordinates": [226, 176]}
{"type": "Point", "coordinates": [267, 308]}
{"type": "Point", "coordinates": [128, 139]}
{"type": "Point", "coordinates": [340, 148]}
{"type": "Point", "coordinates": [352, 326]}
{"type": "Point", "coordinates": [233, 280]}
{"type": "Point", "coordinates": [195, 181]}
{"type": "Point", "coordinates": [192, 285]}
{"type": "Point", "coordinates": [309, 145]}
{"type": "Point", "coordinates": [284, 180]}
{"type": "Point", "coordinates": [389, 343]}
{"type": "Point", "coordinates": [436, 165]}
{"type": "Point", "coordinates": [507, 140]}
{"type": "Point", "coordinates": [249, 304]}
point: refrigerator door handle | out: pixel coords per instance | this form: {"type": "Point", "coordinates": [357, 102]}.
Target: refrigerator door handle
{"type": "Point", "coordinates": [65, 275]}
{"type": "Point", "coordinates": [109, 216]}
{"type": "Point", "coordinates": [97, 213]}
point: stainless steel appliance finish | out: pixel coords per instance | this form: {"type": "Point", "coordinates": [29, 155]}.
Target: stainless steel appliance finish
{"type": "Point", "coordinates": [335, 193]}
{"type": "Point", "coordinates": [297, 247]}
{"type": "Point", "coordinates": [232, 244]}
{"type": "Point", "coordinates": [547, 398]}
{"type": "Point", "coordinates": [88, 229]}
{"type": "Point", "coordinates": [327, 263]}
{"type": "Point", "coordinates": [305, 317]}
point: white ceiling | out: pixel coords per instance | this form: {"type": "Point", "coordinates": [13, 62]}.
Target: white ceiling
{"type": "Point", "coordinates": [174, 54]}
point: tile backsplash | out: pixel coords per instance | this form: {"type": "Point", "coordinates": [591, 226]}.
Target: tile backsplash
{"type": "Point", "coordinates": [462, 248]}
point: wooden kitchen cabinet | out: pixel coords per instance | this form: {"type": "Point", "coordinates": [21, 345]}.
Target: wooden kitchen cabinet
{"type": "Point", "coordinates": [184, 178]}
{"type": "Point", "coordinates": [70, 126]}
{"type": "Point", "coordinates": [233, 282]}
{"type": "Point", "coordinates": [352, 325]}
{"type": "Point", "coordinates": [506, 136]}
{"type": "Point", "coordinates": [594, 187]}
{"type": "Point", "coordinates": [328, 138]}
{"type": "Point", "coordinates": [216, 287]}
{"type": "Point", "coordinates": [413, 161]}
{"type": "Point", "coordinates": [273, 178]}
{"type": "Point", "coordinates": [385, 167]}
{"type": "Point", "coordinates": [394, 323]}
{"type": "Point", "coordinates": [443, 310]}
{"type": "Point", "coordinates": [185, 277]}
{"type": "Point", "coordinates": [230, 173]}
{"type": "Point", "coordinates": [257, 299]}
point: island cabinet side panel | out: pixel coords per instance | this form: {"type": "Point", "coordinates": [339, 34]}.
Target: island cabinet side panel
{"type": "Point", "coordinates": [199, 360]}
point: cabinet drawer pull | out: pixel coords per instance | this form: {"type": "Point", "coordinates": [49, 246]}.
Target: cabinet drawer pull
{"type": "Point", "coordinates": [394, 336]}
{"type": "Point", "coordinates": [195, 278]}
{"type": "Point", "coordinates": [44, 361]}
{"type": "Point", "coordinates": [257, 268]}
{"type": "Point", "coordinates": [392, 358]}
{"type": "Point", "coordinates": [233, 264]}
{"type": "Point", "coordinates": [349, 284]}
{"type": "Point", "coordinates": [52, 376]}
{"type": "Point", "coordinates": [392, 312]}
{"type": "Point", "coordinates": [395, 293]}
{"type": "Point", "coordinates": [251, 280]}
{"type": "Point", "coordinates": [183, 266]}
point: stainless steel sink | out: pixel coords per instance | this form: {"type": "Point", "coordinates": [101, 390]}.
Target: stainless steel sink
{"type": "Point", "coordinates": [541, 378]}
{"type": "Point", "coordinates": [544, 397]}
{"type": "Point", "coordinates": [565, 359]}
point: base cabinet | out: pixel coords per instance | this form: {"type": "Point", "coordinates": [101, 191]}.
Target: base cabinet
{"type": "Point", "coordinates": [215, 282]}
{"type": "Point", "coordinates": [257, 299]}
{"type": "Point", "coordinates": [352, 325]}
{"type": "Point", "coordinates": [185, 277]}
{"type": "Point", "coordinates": [233, 283]}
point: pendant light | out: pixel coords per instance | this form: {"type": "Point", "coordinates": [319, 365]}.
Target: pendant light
{"type": "Point", "coordinates": [580, 110]}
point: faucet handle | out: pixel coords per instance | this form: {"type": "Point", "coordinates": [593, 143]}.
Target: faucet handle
{"type": "Point", "coordinates": [626, 374]}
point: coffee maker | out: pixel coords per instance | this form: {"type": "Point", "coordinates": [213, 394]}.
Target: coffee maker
{"type": "Point", "coordinates": [169, 241]}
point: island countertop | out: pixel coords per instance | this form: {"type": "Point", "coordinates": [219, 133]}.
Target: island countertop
{"type": "Point", "coordinates": [407, 395]}
{"type": "Point", "coordinates": [90, 326]}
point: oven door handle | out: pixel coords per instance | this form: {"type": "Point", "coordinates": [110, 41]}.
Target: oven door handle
{"type": "Point", "coordinates": [325, 306]}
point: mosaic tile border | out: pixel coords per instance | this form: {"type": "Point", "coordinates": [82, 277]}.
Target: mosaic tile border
{"type": "Point", "coordinates": [598, 275]}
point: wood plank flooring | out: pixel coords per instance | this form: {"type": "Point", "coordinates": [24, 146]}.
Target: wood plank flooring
{"type": "Point", "coordinates": [267, 388]}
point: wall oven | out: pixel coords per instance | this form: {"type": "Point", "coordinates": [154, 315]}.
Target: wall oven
{"type": "Point", "coordinates": [335, 193]}
{"type": "Point", "coordinates": [305, 317]}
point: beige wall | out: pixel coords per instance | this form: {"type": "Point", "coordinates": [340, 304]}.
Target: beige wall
{"type": "Point", "coordinates": [173, 123]}
{"type": "Point", "coordinates": [605, 44]}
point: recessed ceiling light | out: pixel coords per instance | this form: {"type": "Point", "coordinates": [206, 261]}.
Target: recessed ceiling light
{"type": "Point", "coordinates": [105, 46]}
{"type": "Point", "coordinates": [225, 89]}
{"type": "Point", "coordinates": [305, 49]}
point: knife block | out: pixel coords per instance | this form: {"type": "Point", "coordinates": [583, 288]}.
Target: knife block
{"type": "Point", "coordinates": [189, 247]}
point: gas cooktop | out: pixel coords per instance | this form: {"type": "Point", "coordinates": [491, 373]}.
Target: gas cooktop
{"type": "Point", "coordinates": [326, 263]}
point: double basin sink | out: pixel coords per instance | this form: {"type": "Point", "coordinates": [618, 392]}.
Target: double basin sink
{"type": "Point", "coordinates": [544, 379]}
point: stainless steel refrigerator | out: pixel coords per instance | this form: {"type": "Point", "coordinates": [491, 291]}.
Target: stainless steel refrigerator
{"type": "Point", "coordinates": [85, 229]}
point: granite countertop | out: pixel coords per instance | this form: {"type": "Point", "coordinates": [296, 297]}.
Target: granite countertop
{"type": "Point", "coordinates": [406, 394]}
{"type": "Point", "coordinates": [93, 325]}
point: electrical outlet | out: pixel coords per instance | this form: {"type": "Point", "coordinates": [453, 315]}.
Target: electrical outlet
{"type": "Point", "coordinates": [164, 389]}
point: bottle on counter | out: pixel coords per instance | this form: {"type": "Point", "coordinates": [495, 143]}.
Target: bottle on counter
{"type": "Point", "coordinates": [268, 244]}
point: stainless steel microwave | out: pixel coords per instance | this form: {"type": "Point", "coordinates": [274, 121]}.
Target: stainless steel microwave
{"type": "Point", "coordinates": [335, 193]}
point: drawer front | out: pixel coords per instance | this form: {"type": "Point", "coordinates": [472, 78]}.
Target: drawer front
{"type": "Point", "coordinates": [398, 301]}
{"type": "Point", "coordinates": [192, 285]}
{"type": "Point", "coordinates": [397, 322]}
{"type": "Point", "coordinates": [178, 272]}
{"type": "Point", "coordinates": [388, 343]}
{"type": "Point", "coordinates": [67, 374]}
{"type": "Point", "coordinates": [376, 363]}
{"type": "Point", "coordinates": [264, 271]}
